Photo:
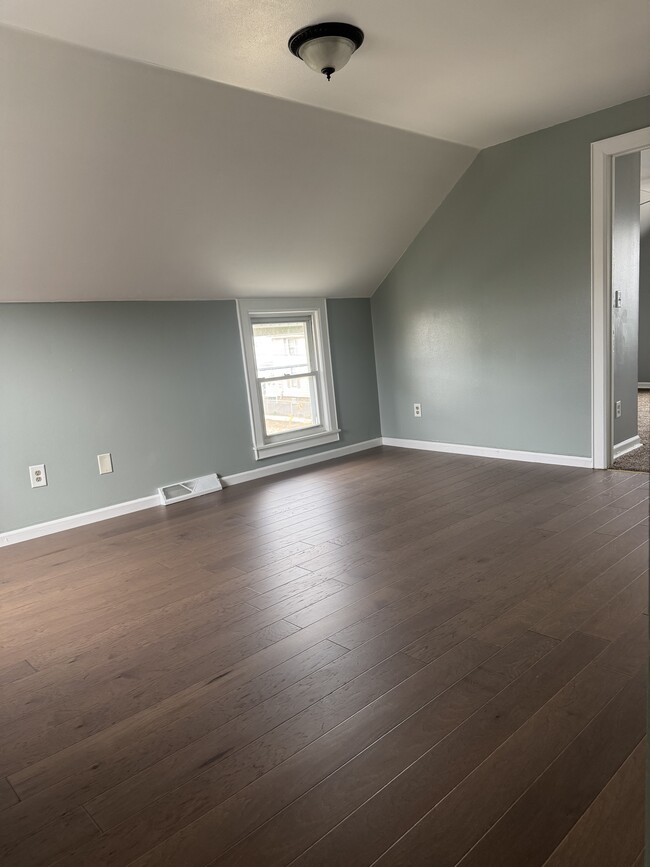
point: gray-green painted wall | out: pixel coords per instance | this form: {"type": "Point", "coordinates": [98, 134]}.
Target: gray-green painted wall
{"type": "Point", "coordinates": [486, 319]}
{"type": "Point", "coordinates": [160, 385]}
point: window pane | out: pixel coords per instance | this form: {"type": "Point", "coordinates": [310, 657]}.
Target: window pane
{"type": "Point", "coordinates": [289, 405]}
{"type": "Point", "coordinates": [281, 348]}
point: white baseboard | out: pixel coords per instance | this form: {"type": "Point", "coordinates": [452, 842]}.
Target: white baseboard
{"type": "Point", "coordinates": [80, 520]}
{"type": "Point", "coordinates": [12, 537]}
{"type": "Point", "coordinates": [644, 385]}
{"type": "Point", "coordinates": [487, 452]}
{"type": "Point", "coordinates": [626, 446]}
{"type": "Point", "coordinates": [24, 534]}
{"type": "Point", "coordinates": [297, 463]}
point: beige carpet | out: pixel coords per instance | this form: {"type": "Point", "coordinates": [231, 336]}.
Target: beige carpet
{"type": "Point", "coordinates": [639, 459]}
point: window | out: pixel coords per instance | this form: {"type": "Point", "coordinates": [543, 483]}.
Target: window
{"type": "Point", "coordinates": [288, 374]}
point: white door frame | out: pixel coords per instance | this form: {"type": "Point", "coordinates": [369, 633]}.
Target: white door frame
{"type": "Point", "coordinates": [602, 188]}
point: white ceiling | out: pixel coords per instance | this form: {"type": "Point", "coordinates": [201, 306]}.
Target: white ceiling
{"type": "Point", "coordinates": [471, 71]}
{"type": "Point", "coordinates": [125, 181]}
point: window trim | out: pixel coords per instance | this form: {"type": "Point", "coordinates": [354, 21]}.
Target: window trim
{"type": "Point", "coordinates": [314, 310]}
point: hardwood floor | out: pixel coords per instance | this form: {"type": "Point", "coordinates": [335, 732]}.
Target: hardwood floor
{"type": "Point", "coordinates": [399, 658]}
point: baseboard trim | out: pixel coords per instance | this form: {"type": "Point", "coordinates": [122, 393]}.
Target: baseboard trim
{"type": "Point", "coordinates": [626, 446]}
{"type": "Point", "coordinates": [488, 452]}
{"type": "Point", "coordinates": [644, 385]}
{"type": "Point", "coordinates": [297, 463]}
{"type": "Point", "coordinates": [59, 525]}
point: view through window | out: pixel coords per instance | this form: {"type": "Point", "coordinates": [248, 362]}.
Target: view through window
{"type": "Point", "coordinates": [286, 375]}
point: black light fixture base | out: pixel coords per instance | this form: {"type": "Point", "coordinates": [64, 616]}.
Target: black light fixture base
{"type": "Point", "coordinates": [328, 71]}
{"type": "Point", "coordinates": [328, 28]}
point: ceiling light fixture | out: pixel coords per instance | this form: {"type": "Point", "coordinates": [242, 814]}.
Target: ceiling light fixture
{"type": "Point", "coordinates": [326, 47]}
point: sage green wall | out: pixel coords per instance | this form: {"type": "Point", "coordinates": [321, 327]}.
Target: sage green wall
{"type": "Point", "coordinates": [486, 319]}
{"type": "Point", "coordinates": [160, 385]}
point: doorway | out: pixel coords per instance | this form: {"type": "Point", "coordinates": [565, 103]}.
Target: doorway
{"type": "Point", "coordinates": [620, 302]}
{"type": "Point", "coordinates": [631, 172]}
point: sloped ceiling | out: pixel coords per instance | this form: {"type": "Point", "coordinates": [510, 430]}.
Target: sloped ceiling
{"type": "Point", "coordinates": [205, 166]}
{"type": "Point", "coordinates": [120, 180]}
{"type": "Point", "coordinates": [472, 71]}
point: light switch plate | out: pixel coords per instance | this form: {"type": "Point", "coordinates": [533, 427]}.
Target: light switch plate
{"type": "Point", "coordinates": [105, 463]}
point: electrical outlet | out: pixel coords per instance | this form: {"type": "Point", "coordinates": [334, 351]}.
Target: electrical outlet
{"type": "Point", "coordinates": [37, 476]}
{"type": "Point", "coordinates": [417, 410]}
{"type": "Point", "coordinates": [619, 410]}
{"type": "Point", "coordinates": [105, 463]}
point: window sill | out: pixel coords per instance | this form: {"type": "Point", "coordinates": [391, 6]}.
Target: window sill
{"type": "Point", "coordinates": [310, 441]}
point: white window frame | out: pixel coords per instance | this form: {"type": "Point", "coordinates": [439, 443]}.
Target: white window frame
{"type": "Point", "coordinates": [315, 311]}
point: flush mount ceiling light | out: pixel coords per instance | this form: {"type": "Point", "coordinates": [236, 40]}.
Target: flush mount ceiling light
{"type": "Point", "coordinates": [326, 47]}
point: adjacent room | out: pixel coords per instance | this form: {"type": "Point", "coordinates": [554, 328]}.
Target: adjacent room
{"type": "Point", "coordinates": [325, 355]}
{"type": "Point", "coordinates": [631, 312]}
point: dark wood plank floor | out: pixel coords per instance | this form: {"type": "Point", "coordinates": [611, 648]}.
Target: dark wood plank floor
{"type": "Point", "coordinates": [399, 658]}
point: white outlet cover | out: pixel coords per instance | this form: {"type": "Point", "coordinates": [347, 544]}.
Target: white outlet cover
{"type": "Point", "coordinates": [105, 463]}
{"type": "Point", "coordinates": [38, 476]}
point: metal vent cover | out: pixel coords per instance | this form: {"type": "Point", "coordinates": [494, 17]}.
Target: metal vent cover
{"type": "Point", "coordinates": [188, 489]}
